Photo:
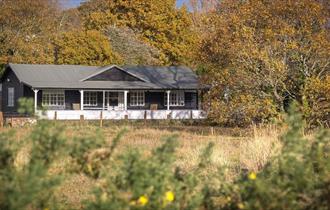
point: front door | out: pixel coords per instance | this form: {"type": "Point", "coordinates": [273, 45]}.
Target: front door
{"type": "Point", "coordinates": [114, 100]}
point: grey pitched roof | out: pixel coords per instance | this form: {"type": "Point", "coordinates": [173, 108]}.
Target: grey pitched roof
{"type": "Point", "coordinates": [73, 77]}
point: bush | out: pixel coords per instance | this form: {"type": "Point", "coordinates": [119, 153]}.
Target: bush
{"type": "Point", "coordinates": [30, 185]}
{"type": "Point", "coordinates": [297, 178]}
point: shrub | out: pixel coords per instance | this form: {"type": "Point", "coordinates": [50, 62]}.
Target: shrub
{"type": "Point", "coordinates": [30, 186]}
{"type": "Point", "coordinates": [298, 178]}
{"type": "Point", "coordinates": [148, 183]}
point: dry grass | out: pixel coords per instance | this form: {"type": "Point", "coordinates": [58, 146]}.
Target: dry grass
{"type": "Point", "coordinates": [256, 151]}
{"type": "Point", "coordinates": [249, 152]}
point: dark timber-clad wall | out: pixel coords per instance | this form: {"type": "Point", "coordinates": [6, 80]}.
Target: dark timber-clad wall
{"type": "Point", "coordinates": [11, 80]}
{"type": "Point", "coordinates": [73, 96]}
{"type": "Point", "coordinates": [113, 74]}
{"type": "Point", "coordinates": [159, 99]}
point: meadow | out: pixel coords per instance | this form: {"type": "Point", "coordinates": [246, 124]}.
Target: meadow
{"type": "Point", "coordinates": [79, 165]}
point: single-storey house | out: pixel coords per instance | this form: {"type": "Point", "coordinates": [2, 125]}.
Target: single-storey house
{"type": "Point", "coordinates": [68, 92]}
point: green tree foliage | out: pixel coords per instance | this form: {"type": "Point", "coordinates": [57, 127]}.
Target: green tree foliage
{"type": "Point", "coordinates": [263, 52]}
{"type": "Point", "coordinates": [159, 23]}
{"type": "Point", "coordinates": [26, 28]}
{"type": "Point", "coordinates": [85, 48]}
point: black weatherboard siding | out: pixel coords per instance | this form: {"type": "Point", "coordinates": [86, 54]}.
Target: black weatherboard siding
{"type": "Point", "coordinates": [159, 99]}
{"type": "Point", "coordinates": [10, 80]}
{"type": "Point", "coordinates": [73, 96]}
{"type": "Point", "coordinates": [70, 96]}
{"type": "Point", "coordinates": [113, 74]}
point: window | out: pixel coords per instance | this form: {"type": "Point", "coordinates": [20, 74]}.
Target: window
{"type": "Point", "coordinates": [11, 92]}
{"type": "Point", "coordinates": [53, 98]}
{"type": "Point", "coordinates": [176, 98]}
{"type": "Point", "coordinates": [90, 98]}
{"type": "Point", "coordinates": [137, 98]}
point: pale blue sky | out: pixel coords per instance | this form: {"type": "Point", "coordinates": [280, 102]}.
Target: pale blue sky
{"type": "Point", "coordinates": [73, 3]}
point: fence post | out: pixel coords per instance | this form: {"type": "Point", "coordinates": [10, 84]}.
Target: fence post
{"type": "Point", "coordinates": [101, 119]}
{"type": "Point", "coordinates": [81, 118]}
{"type": "Point", "coordinates": [212, 131]}
{"type": "Point", "coordinates": [1, 119]}
{"type": "Point", "coordinates": [169, 116]}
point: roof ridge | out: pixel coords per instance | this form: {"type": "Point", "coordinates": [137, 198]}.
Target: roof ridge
{"type": "Point", "coordinates": [31, 64]}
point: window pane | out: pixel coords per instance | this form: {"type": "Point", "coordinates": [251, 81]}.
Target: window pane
{"type": "Point", "coordinates": [11, 97]}
{"type": "Point", "coordinates": [176, 98]}
{"type": "Point", "coordinates": [137, 98]}
{"type": "Point", "coordinates": [90, 98]}
{"type": "Point", "coordinates": [53, 98]}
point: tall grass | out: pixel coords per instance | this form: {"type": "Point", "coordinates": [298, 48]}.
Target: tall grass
{"type": "Point", "coordinates": [56, 166]}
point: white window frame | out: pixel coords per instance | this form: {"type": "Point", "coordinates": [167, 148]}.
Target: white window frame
{"type": "Point", "coordinates": [11, 97]}
{"type": "Point", "coordinates": [176, 98]}
{"type": "Point", "coordinates": [51, 98]}
{"type": "Point", "coordinates": [90, 98]}
{"type": "Point", "coordinates": [137, 98]}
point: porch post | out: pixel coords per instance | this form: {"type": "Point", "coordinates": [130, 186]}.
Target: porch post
{"type": "Point", "coordinates": [81, 100]}
{"type": "Point", "coordinates": [35, 99]}
{"type": "Point", "coordinates": [125, 100]}
{"type": "Point", "coordinates": [199, 99]}
{"type": "Point", "coordinates": [168, 99]}
{"type": "Point", "coordinates": [103, 100]}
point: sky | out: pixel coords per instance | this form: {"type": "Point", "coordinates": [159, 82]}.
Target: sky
{"type": "Point", "coordinates": [74, 3]}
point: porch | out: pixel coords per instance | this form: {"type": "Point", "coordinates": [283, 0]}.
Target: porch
{"type": "Point", "coordinates": [121, 115]}
{"type": "Point", "coordinates": [117, 104]}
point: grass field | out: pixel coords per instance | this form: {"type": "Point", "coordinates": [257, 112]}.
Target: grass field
{"type": "Point", "coordinates": [234, 149]}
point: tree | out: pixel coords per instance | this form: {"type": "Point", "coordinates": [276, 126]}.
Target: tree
{"type": "Point", "coordinates": [268, 48]}
{"type": "Point", "coordinates": [133, 51]}
{"type": "Point", "coordinates": [84, 48]}
{"type": "Point", "coordinates": [26, 28]}
{"type": "Point", "coordinates": [316, 100]}
{"type": "Point", "coordinates": [159, 23]}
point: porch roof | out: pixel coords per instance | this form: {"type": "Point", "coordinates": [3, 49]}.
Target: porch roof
{"type": "Point", "coordinates": [72, 77]}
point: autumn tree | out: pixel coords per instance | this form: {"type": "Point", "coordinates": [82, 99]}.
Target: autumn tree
{"type": "Point", "coordinates": [259, 55]}
{"type": "Point", "coordinates": [25, 30]}
{"type": "Point", "coordinates": [84, 48]}
{"type": "Point", "coordinates": [133, 50]}
{"type": "Point", "coordinates": [159, 23]}
{"type": "Point", "coordinates": [70, 20]}
{"type": "Point", "coordinates": [316, 101]}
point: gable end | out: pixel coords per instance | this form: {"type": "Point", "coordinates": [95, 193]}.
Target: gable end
{"type": "Point", "coordinates": [113, 74]}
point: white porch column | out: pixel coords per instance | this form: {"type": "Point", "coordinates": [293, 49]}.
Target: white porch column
{"type": "Point", "coordinates": [199, 101]}
{"type": "Point", "coordinates": [168, 99]}
{"type": "Point", "coordinates": [81, 100]}
{"type": "Point", "coordinates": [125, 100]}
{"type": "Point", "coordinates": [35, 99]}
{"type": "Point", "coordinates": [103, 100]}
